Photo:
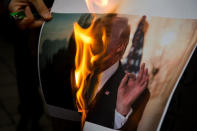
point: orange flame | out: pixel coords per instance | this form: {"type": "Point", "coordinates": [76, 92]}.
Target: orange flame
{"type": "Point", "coordinates": [84, 62]}
{"type": "Point", "coordinates": [103, 6]}
{"type": "Point", "coordinates": [86, 42]}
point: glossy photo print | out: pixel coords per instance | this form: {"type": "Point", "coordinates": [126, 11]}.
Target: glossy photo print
{"type": "Point", "coordinates": [113, 71]}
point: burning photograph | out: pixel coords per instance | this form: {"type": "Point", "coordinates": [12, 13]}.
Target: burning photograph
{"type": "Point", "coordinates": [113, 71]}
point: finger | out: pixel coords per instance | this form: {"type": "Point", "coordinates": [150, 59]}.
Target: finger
{"type": "Point", "coordinates": [124, 81]}
{"type": "Point", "coordinates": [29, 14]}
{"type": "Point", "coordinates": [146, 80]}
{"type": "Point", "coordinates": [145, 84]}
{"type": "Point", "coordinates": [36, 24]}
{"type": "Point", "coordinates": [144, 76]}
{"type": "Point", "coordinates": [143, 87]}
{"type": "Point", "coordinates": [29, 18]}
{"type": "Point", "coordinates": [132, 76]}
{"type": "Point", "coordinates": [16, 6]}
{"type": "Point", "coordinates": [139, 77]}
{"type": "Point", "coordinates": [42, 9]}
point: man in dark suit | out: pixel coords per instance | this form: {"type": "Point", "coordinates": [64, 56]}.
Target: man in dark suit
{"type": "Point", "coordinates": [118, 92]}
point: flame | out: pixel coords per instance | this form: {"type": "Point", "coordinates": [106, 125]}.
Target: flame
{"type": "Point", "coordinates": [90, 48]}
{"type": "Point", "coordinates": [102, 3]}
{"type": "Point", "coordinates": [85, 60]}
{"type": "Point", "coordinates": [98, 3]}
{"type": "Point", "coordinates": [103, 6]}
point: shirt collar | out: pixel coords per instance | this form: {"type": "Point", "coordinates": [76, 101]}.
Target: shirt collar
{"type": "Point", "coordinates": [105, 75]}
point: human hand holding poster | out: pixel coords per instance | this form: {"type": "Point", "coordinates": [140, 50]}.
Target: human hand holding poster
{"type": "Point", "coordinates": [90, 65]}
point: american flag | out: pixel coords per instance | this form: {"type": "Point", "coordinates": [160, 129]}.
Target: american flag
{"type": "Point", "coordinates": [133, 60]}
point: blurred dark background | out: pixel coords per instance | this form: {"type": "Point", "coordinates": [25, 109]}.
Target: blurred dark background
{"type": "Point", "coordinates": [182, 111]}
{"type": "Point", "coordinates": [181, 114]}
{"type": "Point", "coordinates": [21, 105]}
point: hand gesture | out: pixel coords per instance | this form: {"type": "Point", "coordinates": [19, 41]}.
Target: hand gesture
{"type": "Point", "coordinates": [130, 89]}
{"type": "Point", "coordinates": [24, 6]}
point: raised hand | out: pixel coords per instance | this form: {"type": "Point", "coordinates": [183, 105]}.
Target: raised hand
{"type": "Point", "coordinates": [130, 89]}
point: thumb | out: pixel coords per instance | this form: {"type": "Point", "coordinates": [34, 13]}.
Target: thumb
{"type": "Point", "coordinates": [42, 9]}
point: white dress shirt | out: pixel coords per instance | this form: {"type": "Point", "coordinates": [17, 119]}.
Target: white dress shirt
{"type": "Point", "coordinates": [119, 119]}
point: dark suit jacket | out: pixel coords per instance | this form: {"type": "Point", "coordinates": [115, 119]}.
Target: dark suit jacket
{"type": "Point", "coordinates": [103, 107]}
{"type": "Point", "coordinates": [57, 91]}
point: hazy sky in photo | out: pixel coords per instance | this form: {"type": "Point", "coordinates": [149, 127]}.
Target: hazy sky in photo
{"type": "Point", "coordinates": [60, 27]}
